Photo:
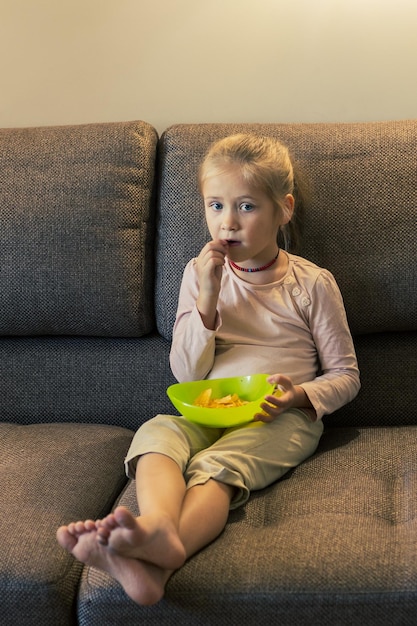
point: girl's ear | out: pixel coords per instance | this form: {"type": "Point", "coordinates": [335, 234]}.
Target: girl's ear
{"type": "Point", "coordinates": [289, 203]}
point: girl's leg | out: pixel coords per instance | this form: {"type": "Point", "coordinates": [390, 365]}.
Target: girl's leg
{"type": "Point", "coordinates": [204, 514]}
{"type": "Point", "coordinates": [198, 514]}
{"type": "Point", "coordinates": [173, 523]}
{"type": "Point", "coordinates": [143, 552]}
{"type": "Point", "coordinates": [253, 456]}
{"type": "Point", "coordinates": [153, 536]}
{"type": "Point", "coordinates": [165, 506]}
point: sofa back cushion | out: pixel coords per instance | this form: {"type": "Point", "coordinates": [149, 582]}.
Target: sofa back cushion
{"type": "Point", "coordinates": [360, 224]}
{"type": "Point", "coordinates": [76, 237]}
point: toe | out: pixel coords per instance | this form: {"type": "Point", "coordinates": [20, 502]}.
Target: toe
{"type": "Point", "coordinates": [109, 523]}
{"type": "Point", "coordinates": [103, 536]}
{"type": "Point", "coordinates": [66, 539]}
{"type": "Point", "coordinates": [125, 518]}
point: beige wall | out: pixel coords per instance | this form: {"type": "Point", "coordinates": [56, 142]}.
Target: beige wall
{"type": "Point", "coordinates": [75, 61]}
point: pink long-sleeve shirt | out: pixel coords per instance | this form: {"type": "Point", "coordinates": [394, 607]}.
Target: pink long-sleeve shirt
{"type": "Point", "coordinates": [296, 326]}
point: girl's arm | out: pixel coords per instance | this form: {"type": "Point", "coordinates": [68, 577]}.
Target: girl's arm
{"type": "Point", "coordinates": [337, 382]}
{"type": "Point", "coordinates": [193, 344]}
{"type": "Point", "coordinates": [194, 337]}
{"type": "Point", "coordinates": [209, 267]}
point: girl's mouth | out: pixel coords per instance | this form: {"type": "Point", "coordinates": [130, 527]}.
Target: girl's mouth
{"type": "Point", "coordinates": [232, 242]}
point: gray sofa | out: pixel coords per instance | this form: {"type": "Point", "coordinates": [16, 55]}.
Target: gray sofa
{"type": "Point", "coordinates": [97, 223]}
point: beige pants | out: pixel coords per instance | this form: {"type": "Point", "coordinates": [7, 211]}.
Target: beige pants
{"type": "Point", "coordinates": [247, 457]}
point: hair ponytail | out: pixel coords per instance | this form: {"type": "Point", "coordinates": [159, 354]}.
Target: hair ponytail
{"type": "Point", "coordinates": [290, 235]}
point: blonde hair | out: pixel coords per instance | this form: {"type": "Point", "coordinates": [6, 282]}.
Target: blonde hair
{"type": "Point", "coordinates": [265, 164]}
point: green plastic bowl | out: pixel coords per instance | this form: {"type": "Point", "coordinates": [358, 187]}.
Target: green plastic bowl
{"type": "Point", "coordinates": [253, 389]}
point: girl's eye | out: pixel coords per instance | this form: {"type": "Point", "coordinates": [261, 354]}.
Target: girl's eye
{"type": "Point", "coordinates": [246, 207]}
{"type": "Point", "coordinates": [216, 206]}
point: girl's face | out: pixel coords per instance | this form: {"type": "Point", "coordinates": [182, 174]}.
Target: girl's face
{"type": "Point", "coordinates": [243, 216]}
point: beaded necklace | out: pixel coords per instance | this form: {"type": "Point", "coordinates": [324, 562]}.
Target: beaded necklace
{"type": "Point", "coordinates": [253, 269]}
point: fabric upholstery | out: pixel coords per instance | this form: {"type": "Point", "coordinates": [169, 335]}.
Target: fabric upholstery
{"type": "Point", "coordinates": [76, 234]}
{"type": "Point", "coordinates": [50, 474]}
{"type": "Point", "coordinates": [333, 542]}
{"type": "Point", "coordinates": [388, 367]}
{"type": "Point", "coordinates": [119, 381]}
{"type": "Point", "coordinates": [360, 223]}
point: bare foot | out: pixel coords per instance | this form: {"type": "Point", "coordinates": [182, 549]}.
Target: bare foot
{"type": "Point", "coordinates": [143, 582]}
{"type": "Point", "coordinates": [150, 538]}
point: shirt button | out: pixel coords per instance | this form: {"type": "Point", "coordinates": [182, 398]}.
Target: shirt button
{"type": "Point", "coordinates": [305, 301]}
{"type": "Point", "coordinates": [296, 291]}
{"type": "Point", "coordinates": [288, 280]}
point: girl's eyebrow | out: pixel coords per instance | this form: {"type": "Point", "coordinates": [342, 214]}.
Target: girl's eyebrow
{"type": "Point", "coordinates": [240, 198]}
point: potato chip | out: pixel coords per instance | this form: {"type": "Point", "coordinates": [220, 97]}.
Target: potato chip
{"type": "Point", "coordinates": [204, 398]}
{"type": "Point", "coordinates": [231, 400]}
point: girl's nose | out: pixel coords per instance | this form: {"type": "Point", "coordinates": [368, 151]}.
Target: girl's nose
{"type": "Point", "coordinates": [229, 220]}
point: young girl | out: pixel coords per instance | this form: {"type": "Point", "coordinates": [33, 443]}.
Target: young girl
{"type": "Point", "coordinates": [245, 307]}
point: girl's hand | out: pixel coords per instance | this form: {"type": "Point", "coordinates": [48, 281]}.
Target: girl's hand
{"type": "Point", "coordinates": [290, 396]}
{"type": "Point", "coordinates": [210, 263]}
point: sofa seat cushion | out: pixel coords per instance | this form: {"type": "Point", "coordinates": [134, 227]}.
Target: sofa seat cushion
{"type": "Point", "coordinates": [51, 474]}
{"type": "Point", "coordinates": [334, 542]}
